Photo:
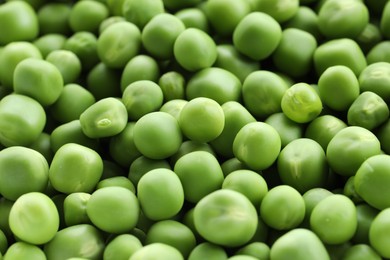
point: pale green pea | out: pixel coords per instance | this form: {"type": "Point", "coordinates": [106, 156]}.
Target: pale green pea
{"type": "Point", "coordinates": [67, 63]}
{"type": "Point", "coordinates": [157, 250]}
{"type": "Point", "coordinates": [75, 208]}
{"type": "Point", "coordinates": [141, 12]}
{"type": "Point", "coordinates": [23, 250]}
{"type": "Point", "coordinates": [379, 233]}
{"type": "Point", "coordinates": [361, 252]}
{"type": "Point", "coordinates": [188, 147]}
{"type": "Point", "coordinates": [87, 15]}
{"type": "Point", "coordinates": [209, 251]}
{"type": "Point", "coordinates": [110, 21]}
{"type": "Point", "coordinates": [376, 78]}
{"type": "Point", "coordinates": [49, 42]}
{"type": "Point", "coordinates": [174, 107]}
{"type": "Point", "coordinates": [172, 85]}
{"type": "Point", "coordinates": [121, 247]}
{"type": "Point", "coordinates": [117, 181]}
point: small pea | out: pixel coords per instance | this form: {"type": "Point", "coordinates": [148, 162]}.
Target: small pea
{"type": "Point", "coordinates": [141, 12]}
{"type": "Point", "coordinates": [49, 42]}
{"type": "Point", "coordinates": [122, 247]}
{"type": "Point", "coordinates": [287, 129]}
{"type": "Point", "coordinates": [67, 63]}
{"type": "Point", "coordinates": [75, 208]}
{"type": "Point", "coordinates": [87, 15]}
{"type": "Point", "coordinates": [157, 250]}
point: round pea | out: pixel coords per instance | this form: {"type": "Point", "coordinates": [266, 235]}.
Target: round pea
{"type": "Point", "coordinates": [34, 218]}
{"type": "Point", "coordinates": [385, 20]}
{"type": "Point", "coordinates": [312, 197]}
{"type": "Point", "coordinates": [193, 17]}
{"type": "Point", "coordinates": [67, 63]}
{"type": "Point", "coordinates": [49, 42]}
{"type": "Point", "coordinates": [110, 21]}
{"type": "Point", "coordinates": [142, 165]}
{"type": "Point", "coordinates": [103, 81]}
{"type": "Point", "coordinates": [379, 233]}
{"type": "Point", "coordinates": [23, 250]}
{"type": "Point", "coordinates": [141, 12]}
{"type": "Point", "coordinates": [369, 37]}
{"type": "Point", "coordinates": [375, 78]}
{"type": "Point", "coordinates": [365, 216]}
{"type": "Point", "coordinates": [305, 19]}
{"type": "Point", "coordinates": [87, 15]}
{"type": "Point", "coordinates": [157, 251]}
{"type": "Point", "coordinates": [207, 250]}
{"type": "Point", "coordinates": [280, 10]}
{"type": "Point", "coordinates": [172, 85]}
{"type": "Point", "coordinates": [121, 247]}
{"type": "Point", "coordinates": [173, 107]}
{"type": "Point", "coordinates": [116, 181]}
{"type": "Point", "coordinates": [380, 52]}
{"type": "Point", "coordinates": [53, 18]}
{"type": "Point", "coordinates": [361, 252]}
{"type": "Point", "coordinates": [75, 208]}
{"type": "Point", "coordinates": [259, 250]}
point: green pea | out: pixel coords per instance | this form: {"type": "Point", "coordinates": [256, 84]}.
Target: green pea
{"type": "Point", "coordinates": [236, 116]}
{"type": "Point", "coordinates": [157, 135]}
{"type": "Point", "coordinates": [34, 218]}
{"type": "Point", "coordinates": [299, 244]}
{"type": "Point", "coordinates": [194, 49]}
{"type": "Point", "coordinates": [334, 219]}
{"type": "Point", "coordinates": [87, 15]}
{"type": "Point", "coordinates": [174, 107]}
{"type": "Point", "coordinates": [231, 165]}
{"type": "Point", "coordinates": [385, 20]}
{"type": "Point", "coordinates": [365, 216]}
{"type": "Point", "coordinates": [22, 250]}
{"type": "Point", "coordinates": [202, 119]}
{"type": "Point", "coordinates": [380, 52]}
{"type": "Point", "coordinates": [301, 103]}
{"type": "Point", "coordinates": [369, 37]}
{"type": "Point", "coordinates": [111, 169]}
{"type": "Point", "coordinates": [312, 197]}
{"type": "Point", "coordinates": [22, 170]}
{"type": "Point", "coordinates": [215, 83]}
{"type": "Point", "coordinates": [113, 209]}
{"type": "Point", "coordinates": [3, 242]}
{"type": "Point", "coordinates": [160, 194]}
{"type": "Point", "coordinates": [207, 250]}
{"type": "Point", "coordinates": [160, 33]}
{"type": "Point", "coordinates": [361, 252]}
{"type": "Point", "coordinates": [18, 21]}
{"type": "Point", "coordinates": [107, 117]}
{"type": "Point", "coordinates": [67, 63]}
{"type": "Point", "coordinates": [280, 10]}
{"type": "Point", "coordinates": [115, 7]}
{"type": "Point", "coordinates": [53, 18]}
{"type": "Point", "coordinates": [142, 165]}
{"type": "Point", "coordinates": [118, 43]}
{"type": "Point", "coordinates": [257, 145]}
{"type": "Point", "coordinates": [75, 208]}
{"type": "Point", "coordinates": [142, 97]}
{"type": "Point", "coordinates": [71, 132]}
{"type": "Point", "coordinates": [157, 250]}
{"type": "Point", "coordinates": [200, 174]}
{"type": "Point", "coordinates": [103, 81]}
{"type": "Point", "coordinates": [349, 148]}
{"type": "Point", "coordinates": [262, 92]}
{"type": "Point", "coordinates": [141, 12]}
{"type": "Point", "coordinates": [257, 35]}
{"type": "Point", "coordinates": [81, 240]}
{"type": "Point", "coordinates": [49, 42]}
{"type": "Point", "coordinates": [379, 233]}
{"type": "Point", "coordinates": [116, 181]}
{"type": "Point", "coordinates": [110, 21]}
{"type": "Point", "coordinates": [22, 120]}
{"type": "Point", "coordinates": [11, 55]}
{"type": "Point", "coordinates": [342, 51]}
{"type": "Point", "coordinates": [140, 67]}
{"type": "Point", "coordinates": [383, 135]}
{"type": "Point", "coordinates": [75, 168]}
{"type": "Point", "coordinates": [305, 19]}
{"type": "Point", "coordinates": [226, 217]}
{"type": "Point", "coordinates": [242, 257]}
{"type": "Point", "coordinates": [375, 78]}
{"type": "Point", "coordinates": [172, 85]}
{"type": "Point", "coordinates": [193, 18]}
{"type": "Point", "coordinates": [121, 247]}
{"type": "Point", "coordinates": [350, 191]}
{"type": "Point", "coordinates": [177, 4]}
{"type": "Point", "coordinates": [338, 19]}
{"type": "Point", "coordinates": [337, 251]}
{"type": "Point", "coordinates": [259, 250]}
{"type": "Point", "coordinates": [282, 208]}
{"type": "Point", "coordinates": [368, 110]}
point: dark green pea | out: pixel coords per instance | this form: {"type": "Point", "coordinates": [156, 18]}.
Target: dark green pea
{"type": "Point", "coordinates": [376, 78]}
{"type": "Point", "coordinates": [365, 216]}
{"type": "Point", "coordinates": [232, 165]}
{"type": "Point", "coordinates": [112, 169]}
{"type": "Point", "coordinates": [142, 165]}
{"type": "Point", "coordinates": [75, 208]}
{"type": "Point", "coordinates": [87, 15]}
{"type": "Point", "coordinates": [380, 52]}
{"type": "Point", "coordinates": [193, 18]}
{"type": "Point", "coordinates": [172, 85]}
{"type": "Point", "coordinates": [53, 18]}
{"type": "Point", "coordinates": [67, 63]}
{"type": "Point", "coordinates": [305, 19]}
{"type": "Point", "coordinates": [115, 7]}
{"type": "Point", "coordinates": [188, 147]}
{"type": "Point", "coordinates": [3, 242]}
{"type": "Point", "coordinates": [49, 42]}
{"type": "Point", "coordinates": [383, 134]}
{"type": "Point", "coordinates": [368, 110]}
{"type": "Point", "coordinates": [369, 37]}
{"type": "Point", "coordinates": [43, 146]}
{"type": "Point", "coordinates": [350, 192]}
{"type": "Point", "coordinates": [141, 12]}
{"type": "Point", "coordinates": [5, 208]}
{"type": "Point", "coordinates": [104, 82]}
{"type": "Point", "coordinates": [177, 4]}
{"type": "Point", "coordinates": [385, 21]}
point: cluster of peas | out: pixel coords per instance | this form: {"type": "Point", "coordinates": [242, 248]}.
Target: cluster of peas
{"type": "Point", "coordinates": [195, 129]}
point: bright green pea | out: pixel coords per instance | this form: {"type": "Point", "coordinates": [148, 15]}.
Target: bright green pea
{"type": "Point", "coordinates": [262, 92]}
{"type": "Point", "coordinates": [365, 216]}
{"type": "Point", "coordinates": [369, 37]}
{"type": "Point", "coordinates": [259, 250]}
{"type": "Point", "coordinates": [22, 250]}
{"type": "Point", "coordinates": [226, 217]}
{"type": "Point", "coordinates": [190, 146]}
{"type": "Point", "coordinates": [121, 247]}
{"type": "Point", "coordinates": [49, 42]}
{"type": "Point", "coordinates": [160, 33]}
{"type": "Point", "coordinates": [257, 145]}
{"type": "Point", "coordinates": [202, 119]}
{"type": "Point", "coordinates": [236, 116]}
{"type": "Point", "coordinates": [118, 44]}
{"type": "Point", "coordinates": [368, 110]}
{"type": "Point", "coordinates": [140, 67]}
{"type": "Point", "coordinates": [379, 233]}
{"type": "Point", "coordinates": [116, 181]}
{"type": "Point", "coordinates": [349, 148]}
{"type": "Point", "coordinates": [334, 219]}
{"type": "Point", "coordinates": [376, 78]}
{"type": "Point", "coordinates": [157, 251]}
{"type": "Point", "coordinates": [103, 81]}
{"type": "Point", "coordinates": [194, 49]}
{"type": "Point", "coordinates": [142, 97]}
{"type": "Point", "coordinates": [22, 170]}
{"type": "Point", "coordinates": [174, 107]}
{"type": "Point", "coordinates": [67, 63]}
{"type": "Point", "coordinates": [172, 85]}
{"type": "Point", "coordinates": [11, 55]}
{"type": "Point", "coordinates": [342, 19]}
{"type": "Point", "coordinates": [141, 12]}
{"type": "Point", "coordinates": [299, 243]}
{"type": "Point", "coordinates": [110, 21]}
{"type": "Point", "coordinates": [75, 168]}
{"type": "Point", "coordinates": [81, 240]}
{"type": "Point", "coordinates": [157, 135]}
{"type": "Point", "coordinates": [361, 252]}
{"type": "Point", "coordinates": [113, 209]}
{"type": "Point", "coordinates": [215, 83]}
{"type": "Point", "coordinates": [257, 35]}
{"type": "Point", "coordinates": [305, 19]}
{"type": "Point", "coordinates": [87, 15]}
{"type": "Point", "coordinates": [207, 250]}
{"type": "Point", "coordinates": [18, 21]}
{"type": "Point", "coordinates": [199, 173]}
{"type": "Point", "coordinates": [280, 10]}
{"type": "Point", "coordinates": [107, 117]}
{"type": "Point", "coordinates": [193, 18]}
{"type": "Point", "coordinates": [282, 208]}
{"type": "Point", "coordinates": [74, 207]}
{"type": "Point", "coordinates": [34, 218]}
{"type": "Point", "coordinates": [142, 165]}
{"type": "Point", "coordinates": [312, 197]}
{"type": "Point", "coordinates": [160, 194]}
{"type": "Point", "coordinates": [379, 53]}
{"type": "Point", "coordinates": [53, 18]}
{"type": "Point", "coordinates": [22, 120]}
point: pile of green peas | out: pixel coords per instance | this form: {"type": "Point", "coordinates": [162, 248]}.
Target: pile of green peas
{"type": "Point", "coordinates": [197, 129]}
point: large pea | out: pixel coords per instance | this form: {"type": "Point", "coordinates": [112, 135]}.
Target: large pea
{"type": "Point", "coordinates": [121, 247]}
{"type": "Point", "coordinates": [67, 63]}
{"type": "Point", "coordinates": [142, 165]}
{"type": "Point", "coordinates": [375, 77]}
{"type": "Point", "coordinates": [23, 250]}
{"type": "Point", "coordinates": [379, 233]}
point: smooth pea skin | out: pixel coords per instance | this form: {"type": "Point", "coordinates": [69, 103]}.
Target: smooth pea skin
{"type": "Point", "coordinates": [385, 20]}
{"type": "Point", "coordinates": [282, 208]}
{"type": "Point", "coordinates": [141, 12]}
{"type": "Point", "coordinates": [226, 217]}
{"type": "Point", "coordinates": [207, 250]}
{"type": "Point", "coordinates": [302, 164]}
{"type": "Point", "coordinates": [23, 250]}
{"type": "Point", "coordinates": [379, 52]}
{"type": "Point", "coordinates": [379, 233]}
{"type": "Point", "coordinates": [334, 219]}
{"type": "Point", "coordinates": [142, 165]}
{"type": "Point", "coordinates": [67, 63]}
{"type": "Point", "coordinates": [368, 110]}
{"type": "Point", "coordinates": [301, 103]}
{"type": "Point", "coordinates": [365, 216]}
{"type": "Point", "coordinates": [87, 15]}
{"type": "Point", "coordinates": [75, 208]}
{"type": "Point", "coordinates": [257, 35]}
{"type": "Point", "coordinates": [34, 218]}
{"type": "Point", "coordinates": [172, 85]}
{"type": "Point", "coordinates": [107, 117]}
{"type": "Point", "coordinates": [103, 81]}
{"type": "Point", "coordinates": [120, 181]}
{"type": "Point", "coordinates": [22, 170]}
{"type": "Point", "coordinates": [280, 10]}
{"type": "Point", "coordinates": [193, 17]}
{"type": "Point", "coordinates": [376, 78]}
{"type": "Point", "coordinates": [53, 18]}
{"type": "Point", "coordinates": [173, 107]}
{"type": "Point", "coordinates": [194, 49]}
{"type": "Point", "coordinates": [312, 197]}
{"type": "Point", "coordinates": [75, 168]}
{"type": "Point", "coordinates": [121, 247]}
{"type": "Point", "coordinates": [257, 145]}
{"type": "Point", "coordinates": [160, 194]}
{"type": "Point", "coordinates": [361, 252]}
{"type": "Point", "coordinates": [49, 42]}
{"type": "Point", "coordinates": [300, 244]}
{"type": "Point", "coordinates": [157, 251]}
{"type": "Point", "coordinates": [259, 250]}
{"type": "Point", "coordinates": [349, 148]}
